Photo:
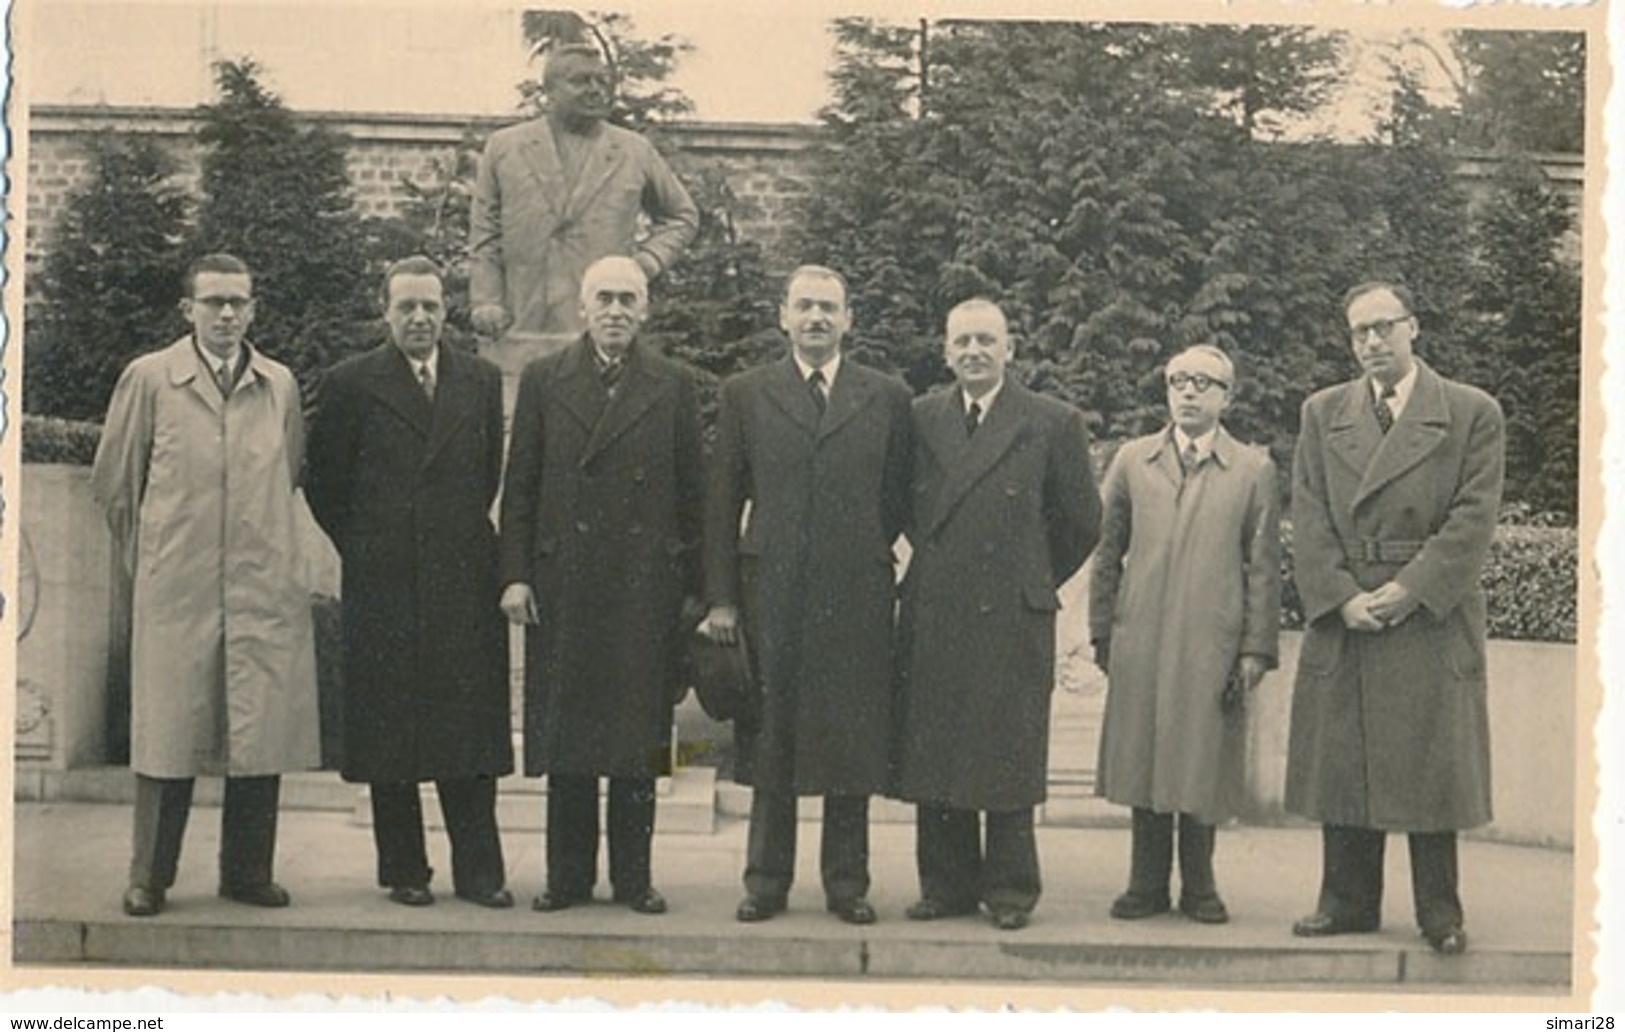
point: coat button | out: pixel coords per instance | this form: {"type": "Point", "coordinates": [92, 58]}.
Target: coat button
{"type": "Point", "coordinates": [985, 608]}
{"type": "Point", "coordinates": [582, 527]}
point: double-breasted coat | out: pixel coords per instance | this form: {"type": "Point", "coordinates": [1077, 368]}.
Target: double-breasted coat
{"type": "Point", "coordinates": [811, 568]}
{"type": "Point", "coordinates": [999, 521]}
{"type": "Point", "coordinates": [1390, 729]}
{"type": "Point", "coordinates": [1187, 577]}
{"type": "Point", "coordinates": [533, 230]}
{"type": "Point", "coordinates": [199, 491]}
{"type": "Point", "coordinates": [601, 516]}
{"type": "Point", "coordinates": [404, 487]}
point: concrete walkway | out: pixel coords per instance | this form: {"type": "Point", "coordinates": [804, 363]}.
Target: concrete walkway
{"type": "Point", "coordinates": [71, 862]}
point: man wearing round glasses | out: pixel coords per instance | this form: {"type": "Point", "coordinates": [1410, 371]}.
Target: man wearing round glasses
{"type": "Point", "coordinates": [1395, 486]}
{"type": "Point", "coordinates": [196, 471]}
{"type": "Point", "coordinates": [1184, 612]}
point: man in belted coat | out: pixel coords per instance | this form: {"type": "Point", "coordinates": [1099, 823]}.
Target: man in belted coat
{"type": "Point", "coordinates": [1395, 486]}
{"type": "Point", "coordinates": [558, 192]}
{"type": "Point", "coordinates": [818, 447]}
{"type": "Point", "coordinates": [1004, 512]}
{"type": "Point", "coordinates": [405, 462]}
{"type": "Point", "coordinates": [1184, 614]}
{"type": "Point", "coordinates": [601, 517]}
{"type": "Point", "coordinates": [196, 471]}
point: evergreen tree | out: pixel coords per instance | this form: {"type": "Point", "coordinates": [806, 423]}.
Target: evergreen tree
{"type": "Point", "coordinates": [276, 193]}
{"type": "Point", "coordinates": [111, 280]}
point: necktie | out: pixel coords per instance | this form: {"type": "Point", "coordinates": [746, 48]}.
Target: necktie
{"type": "Point", "coordinates": [426, 381]}
{"type": "Point", "coordinates": [222, 378]}
{"type": "Point", "coordinates": [1385, 415]}
{"type": "Point", "coordinates": [973, 418]}
{"type": "Point", "coordinates": [1190, 458]}
{"type": "Point", "coordinates": [815, 387]}
{"type": "Point", "coordinates": [609, 374]}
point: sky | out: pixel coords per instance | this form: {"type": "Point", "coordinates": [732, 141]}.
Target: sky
{"type": "Point", "coordinates": [751, 61]}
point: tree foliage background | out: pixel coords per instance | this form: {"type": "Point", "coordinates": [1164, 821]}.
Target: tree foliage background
{"type": "Point", "coordinates": [1124, 190]}
{"type": "Point", "coordinates": [1121, 189]}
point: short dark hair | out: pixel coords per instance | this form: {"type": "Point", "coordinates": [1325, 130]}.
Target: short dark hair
{"type": "Point", "coordinates": [817, 272]}
{"type": "Point", "coordinates": [412, 265]}
{"type": "Point", "coordinates": [1401, 293]}
{"type": "Point", "coordinates": [219, 261]}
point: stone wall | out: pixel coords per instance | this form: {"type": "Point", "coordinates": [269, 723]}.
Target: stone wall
{"type": "Point", "coordinates": [766, 166]}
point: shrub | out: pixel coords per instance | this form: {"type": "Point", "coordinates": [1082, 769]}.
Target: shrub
{"type": "Point", "coordinates": [67, 441]}
{"type": "Point", "coordinates": [1530, 583]}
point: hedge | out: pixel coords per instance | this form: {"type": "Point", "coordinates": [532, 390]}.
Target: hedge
{"type": "Point", "coordinates": [47, 439]}
{"type": "Point", "coordinates": [1531, 583]}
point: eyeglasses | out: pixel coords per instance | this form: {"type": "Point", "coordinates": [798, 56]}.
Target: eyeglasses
{"type": "Point", "coordinates": [1383, 328]}
{"type": "Point", "coordinates": [216, 302]}
{"type": "Point", "coordinates": [1201, 381]}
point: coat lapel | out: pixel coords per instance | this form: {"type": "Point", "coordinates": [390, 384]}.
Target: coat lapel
{"type": "Point", "coordinates": [1001, 427]}
{"type": "Point", "coordinates": [1420, 429]}
{"type": "Point", "coordinates": [454, 401]}
{"type": "Point", "coordinates": [634, 396]}
{"type": "Point", "coordinates": [850, 393]}
{"type": "Point", "coordinates": [542, 157]}
{"type": "Point", "coordinates": [580, 392]}
{"type": "Point", "coordinates": [389, 378]}
{"type": "Point", "coordinates": [788, 391]}
{"type": "Point", "coordinates": [604, 155]}
{"type": "Point", "coordinates": [186, 370]}
{"type": "Point", "coordinates": [1353, 434]}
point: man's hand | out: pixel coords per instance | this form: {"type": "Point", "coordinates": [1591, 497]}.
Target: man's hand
{"type": "Point", "coordinates": [518, 604]}
{"type": "Point", "coordinates": [1249, 670]}
{"type": "Point", "coordinates": [721, 625]}
{"type": "Point", "coordinates": [489, 320]}
{"type": "Point", "coordinates": [1357, 615]}
{"type": "Point", "coordinates": [1103, 653]}
{"type": "Point", "coordinates": [1392, 603]}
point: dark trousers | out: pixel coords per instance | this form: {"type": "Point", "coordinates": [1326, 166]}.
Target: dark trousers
{"type": "Point", "coordinates": [958, 871]}
{"type": "Point", "coordinates": [247, 830]}
{"type": "Point", "coordinates": [1151, 856]}
{"type": "Point", "coordinates": [770, 853]}
{"type": "Point", "coordinates": [572, 834]}
{"type": "Point", "coordinates": [1351, 876]}
{"type": "Point", "coordinates": [469, 807]}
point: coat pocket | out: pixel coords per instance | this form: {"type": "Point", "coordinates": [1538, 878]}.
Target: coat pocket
{"type": "Point", "coordinates": [1323, 646]}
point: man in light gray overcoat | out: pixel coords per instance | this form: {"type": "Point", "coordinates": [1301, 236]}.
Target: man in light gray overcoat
{"type": "Point", "coordinates": [1184, 613]}
{"type": "Point", "coordinates": [196, 470]}
{"type": "Point", "coordinates": [1395, 487]}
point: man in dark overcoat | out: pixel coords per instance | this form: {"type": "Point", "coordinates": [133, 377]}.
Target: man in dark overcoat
{"type": "Point", "coordinates": [1395, 486]}
{"type": "Point", "coordinates": [817, 447]}
{"type": "Point", "coordinates": [1005, 510]}
{"type": "Point", "coordinates": [601, 516]}
{"type": "Point", "coordinates": [405, 463]}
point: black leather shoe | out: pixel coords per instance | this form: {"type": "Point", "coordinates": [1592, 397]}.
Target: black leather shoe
{"type": "Point", "coordinates": [1204, 909]}
{"type": "Point", "coordinates": [754, 908]}
{"type": "Point", "coordinates": [1132, 906]}
{"type": "Point", "coordinates": [928, 909]}
{"type": "Point", "coordinates": [411, 895]}
{"type": "Point", "coordinates": [266, 894]}
{"type": "Point", "coordinates": [555, 899]}
{"type": "Point", "coordinates": [1321, 923]}
{"type": "Point", "coordinates": [140, 901]}
{"type": "Point", "coordinates": [495, 899]}
{"type": "Point", "coordinates": [1452, 942]}
{"type": "Point", "coordinates": [1006, 920]}
{"type": "Point", "coordinates": [648, 901]}
{"type": "Point", "coordinates": [854, 911]}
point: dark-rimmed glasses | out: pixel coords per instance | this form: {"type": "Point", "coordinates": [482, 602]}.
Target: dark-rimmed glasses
{"type": "Point", "coordinates": [1201, 381]}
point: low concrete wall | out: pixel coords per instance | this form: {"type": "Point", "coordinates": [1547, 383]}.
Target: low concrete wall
{"type": "Point", "coordinates": [1532, 692]}
{"type": "Point", "coordinates": [64, 626]}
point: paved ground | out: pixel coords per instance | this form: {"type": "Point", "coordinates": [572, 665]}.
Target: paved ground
{"type": "Point", "coordinates": [71, 859]}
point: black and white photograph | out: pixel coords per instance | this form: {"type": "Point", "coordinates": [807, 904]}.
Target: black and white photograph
{"type": "Point", "coordinates": [972, 505]}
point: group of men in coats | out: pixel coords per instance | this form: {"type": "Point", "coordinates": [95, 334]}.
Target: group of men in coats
{"type": "Point", "coordinates": [615, 543]}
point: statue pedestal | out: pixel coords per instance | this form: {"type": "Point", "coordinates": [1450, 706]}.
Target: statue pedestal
{"type": "Point", "coordinates": [512, 353]}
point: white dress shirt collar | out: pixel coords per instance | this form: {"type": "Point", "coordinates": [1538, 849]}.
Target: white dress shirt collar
{"type": "Point", "coordinates": [830, 368]}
